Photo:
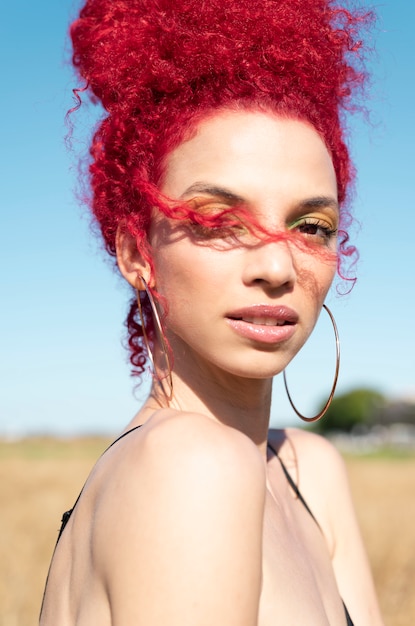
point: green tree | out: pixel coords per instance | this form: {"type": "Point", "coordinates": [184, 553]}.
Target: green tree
{"type": "Point", "coordinates": [357, 407]}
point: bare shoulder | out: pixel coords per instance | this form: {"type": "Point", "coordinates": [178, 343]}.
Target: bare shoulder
{"type": "Point", "coordinates": [175, 440]}
{"type": "Point", "coordinates": [177, 453]}
{"type": "Point", "coordinates": [319, 472]}
{"type": "Point", "coordinates": [179, 490]}
{"type": "Point", "coordinates": [321, 475]}
{"type": "Point", "coordinates": [312, 447]}
{"type": "Point", "coordinates": [309, 453]}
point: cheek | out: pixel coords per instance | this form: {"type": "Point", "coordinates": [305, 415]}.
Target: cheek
{"type": "Point", "coordinates": [315, 277]}
{"type": "Point", "coordinates": [182, 276]}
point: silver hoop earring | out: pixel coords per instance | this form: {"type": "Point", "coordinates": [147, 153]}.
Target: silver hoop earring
{"type": "Point", "coordinates": [156, 318]}
{"type": "Point", "coordinates": [336, 375]}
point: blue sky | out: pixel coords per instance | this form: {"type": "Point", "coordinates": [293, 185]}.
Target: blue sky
{"type": "Point", "coordinates": [62, 366]}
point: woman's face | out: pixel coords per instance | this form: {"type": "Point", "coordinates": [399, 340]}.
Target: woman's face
{"type": "Point", "coordinates": [243, 304]}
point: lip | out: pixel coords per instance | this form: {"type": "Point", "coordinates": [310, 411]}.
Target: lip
{"type": "Point", "coordinates": [264, 323]}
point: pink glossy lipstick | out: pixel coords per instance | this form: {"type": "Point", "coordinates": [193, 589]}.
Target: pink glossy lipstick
{"type": "Point", "coordinates": [264, 323]}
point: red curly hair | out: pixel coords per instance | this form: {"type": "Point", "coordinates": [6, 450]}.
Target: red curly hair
{"type": "Point", "coordinates": [159, 66]}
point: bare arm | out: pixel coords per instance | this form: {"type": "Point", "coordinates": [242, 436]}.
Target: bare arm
{"type": "Point", "coordinates": [324, 484]}
{"type": "Point", "coordinates": [181, 544]}
{"type": "Point", "coordinates": [350, 562]}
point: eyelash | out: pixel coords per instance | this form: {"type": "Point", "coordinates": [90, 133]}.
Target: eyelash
{"type": "Point", "coordinates": [320, 230]}
{"type": "Point", "coordinates": [327, 232]}
{"type": "Point", "coordinates": [207, 232]}
{"type": "Point", "coordinates": [217, 232]}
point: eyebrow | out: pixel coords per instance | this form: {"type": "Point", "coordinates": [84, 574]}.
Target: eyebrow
{"type": "Point", "coordinates": [213, 190]}
{"type": "Point", "coordinates": [320, 202]}
{"type": "Point", "coordinates": [309, 204]}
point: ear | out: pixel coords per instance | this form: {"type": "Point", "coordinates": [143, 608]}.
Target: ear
{"type": "Point", "coordinates": [131, 261]}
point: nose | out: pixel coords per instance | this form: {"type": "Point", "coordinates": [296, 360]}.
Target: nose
{"type": "Point", "coordinates": [270, 264]}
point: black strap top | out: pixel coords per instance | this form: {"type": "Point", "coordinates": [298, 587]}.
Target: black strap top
{"type": "Point", "coordinates": [304, 503]}
{"type": "Point", "coordinates": [66, 516]}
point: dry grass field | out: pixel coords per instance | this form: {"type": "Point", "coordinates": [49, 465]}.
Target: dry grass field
{"type": "Point", "coordinates": [40, 478]}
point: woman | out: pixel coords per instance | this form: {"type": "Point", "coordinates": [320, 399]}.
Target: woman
{"type": "Point", "coordinates": [220, 178]}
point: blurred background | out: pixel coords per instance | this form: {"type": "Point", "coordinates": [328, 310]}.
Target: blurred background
{"type": "Point", "coordinates": [63, 368]}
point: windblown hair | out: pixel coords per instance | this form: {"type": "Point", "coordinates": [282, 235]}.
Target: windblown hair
{"type": "Point", "coordinates": [159, 66]}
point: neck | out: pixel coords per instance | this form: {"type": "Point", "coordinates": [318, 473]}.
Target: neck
{"type": "Point", "coordinates": [240, 403]}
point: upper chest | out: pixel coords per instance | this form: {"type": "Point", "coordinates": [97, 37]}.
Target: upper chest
{"type": "Point", "coordinates": [298, 579]}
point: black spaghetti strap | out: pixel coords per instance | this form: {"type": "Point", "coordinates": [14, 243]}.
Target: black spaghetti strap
{"type": "Point", "coordinates": [348, 618]}
{"type": "Point", "coordinates": [66, 516]}
{"type": "Point", "coordinates": [293, 485]}
{"type": "Point", "coordinates": [300, 497]}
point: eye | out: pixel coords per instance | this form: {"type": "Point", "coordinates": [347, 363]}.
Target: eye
{"type": "Point", "coordinates": [207, 232]}
{"type": "Point", "coordinates": [215, 221]}
{"type": "Point", "coordinates": [224, 231]}
{"type": "Point", "coordinates": [314, 228]}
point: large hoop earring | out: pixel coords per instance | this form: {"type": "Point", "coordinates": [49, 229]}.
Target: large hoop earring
{"type": "Point", "coordinates": [156, 318]}
{"type": "Point", "coordinates": [336, 375]}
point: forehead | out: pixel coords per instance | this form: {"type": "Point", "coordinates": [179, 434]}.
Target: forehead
{"type": "Point", "coordinates": [250, 153]}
